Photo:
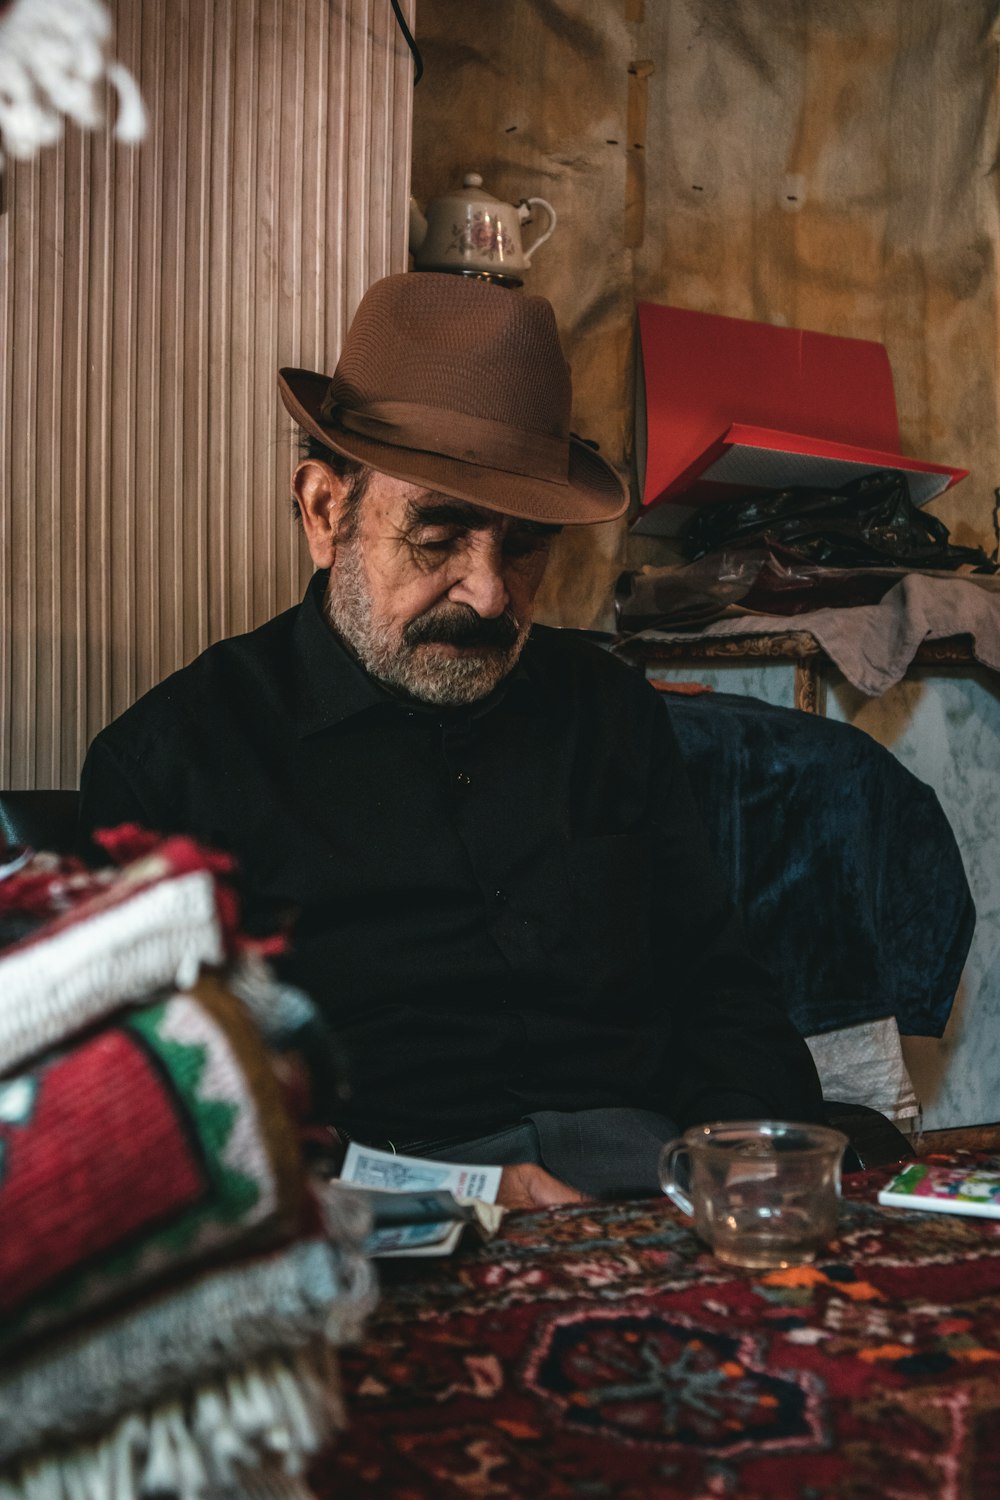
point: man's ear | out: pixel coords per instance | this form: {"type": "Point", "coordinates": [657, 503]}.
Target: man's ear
{"type": "Point", "coordinates": [320, 494]}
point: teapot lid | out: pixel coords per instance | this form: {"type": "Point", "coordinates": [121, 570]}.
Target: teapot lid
{"type": "Point", "coordinates": [472, 191]}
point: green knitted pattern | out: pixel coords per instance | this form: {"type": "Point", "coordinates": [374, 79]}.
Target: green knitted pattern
{"type": "Point", "coordinates": [234, 1193]}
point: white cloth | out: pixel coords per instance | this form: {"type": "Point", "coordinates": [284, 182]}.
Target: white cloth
{"type": "Point", "coordinates": [874, 644]}
{"type": "Point", "coordinates": [864, 1064]}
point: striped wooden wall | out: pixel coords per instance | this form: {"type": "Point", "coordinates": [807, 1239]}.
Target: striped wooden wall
{"type": "Point", "coordinates": [147, 297]}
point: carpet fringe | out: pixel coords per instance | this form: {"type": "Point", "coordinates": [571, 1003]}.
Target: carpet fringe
{"type": "Point", "coordinates": [251, 1432]}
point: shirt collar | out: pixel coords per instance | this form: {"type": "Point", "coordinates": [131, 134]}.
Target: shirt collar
{"type": "Point", "coordinates": [330, 685]}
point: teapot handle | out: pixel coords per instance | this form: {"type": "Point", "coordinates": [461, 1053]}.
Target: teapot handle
{"type": "Point", "coordinates": [529, 250]}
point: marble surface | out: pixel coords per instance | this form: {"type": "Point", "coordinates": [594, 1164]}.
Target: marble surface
{"type": "Point", "coordinates": [772, 681]}
{"type": "Point", "coordinates": [944, 726]}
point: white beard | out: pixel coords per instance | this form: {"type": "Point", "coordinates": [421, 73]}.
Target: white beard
{"type": "Point", "coordinates": [429, 670]}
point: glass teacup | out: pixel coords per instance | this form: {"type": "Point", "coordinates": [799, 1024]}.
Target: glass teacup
{"type": "Point", "coordinates": [763, 1193]}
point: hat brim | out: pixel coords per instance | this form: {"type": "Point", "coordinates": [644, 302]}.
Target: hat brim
{"type": "Point", "coordinates": [593, 492]}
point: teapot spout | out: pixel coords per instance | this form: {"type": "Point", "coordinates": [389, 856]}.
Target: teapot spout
{"type": "Point", "coordinates": [418, 227]}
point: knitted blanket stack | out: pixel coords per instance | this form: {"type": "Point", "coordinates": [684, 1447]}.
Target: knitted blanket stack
{"type": "Point", "coordinates": [170, 1305]}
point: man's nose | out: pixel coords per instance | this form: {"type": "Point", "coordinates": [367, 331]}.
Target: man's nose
{"type": "Point", "coordinates": [481, 582]}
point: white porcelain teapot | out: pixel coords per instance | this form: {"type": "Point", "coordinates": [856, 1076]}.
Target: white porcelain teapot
{"type": "Point", "coordinates": [475, 234]}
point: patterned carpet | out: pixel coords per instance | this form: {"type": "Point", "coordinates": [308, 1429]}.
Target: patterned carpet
{"type": "Point", "coordinates": [600, 1351]}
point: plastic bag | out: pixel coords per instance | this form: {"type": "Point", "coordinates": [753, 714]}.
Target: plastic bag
{"type": "Point", "coordinates": [871, 522]}
{"type": "Point", "coordinates": [766, 580]}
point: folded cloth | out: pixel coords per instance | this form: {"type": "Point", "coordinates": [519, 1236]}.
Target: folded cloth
{"type": "Point", "coordinates": [110, 939]}
{"type": "Point", "coordinates": [158, 1140]}
{"type": "Point", "coordinates": [874, 644]}
{"type": "Point", "coordinates": [233, 1362]}
{"type": "Point", "coordinates": [154, 1340]}
{"type": "Point", "coordinates": [864, 1064]}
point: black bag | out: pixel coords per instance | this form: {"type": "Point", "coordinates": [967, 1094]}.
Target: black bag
{"type": "Point", "coordinates": [871, 522]}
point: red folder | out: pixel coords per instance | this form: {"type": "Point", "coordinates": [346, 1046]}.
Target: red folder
{"type": "Point", "coordinates": [725, 406]}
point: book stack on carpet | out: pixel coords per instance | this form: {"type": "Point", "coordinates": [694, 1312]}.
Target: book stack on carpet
{"type": "Point", "coordinates": [171, 1304]}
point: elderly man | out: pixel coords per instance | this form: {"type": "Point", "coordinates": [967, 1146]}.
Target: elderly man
{"type": "Point", "coordinates": [503, 899]}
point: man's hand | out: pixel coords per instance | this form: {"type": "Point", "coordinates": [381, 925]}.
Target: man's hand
{"type": "Point", "coordinates": [529, 1186]}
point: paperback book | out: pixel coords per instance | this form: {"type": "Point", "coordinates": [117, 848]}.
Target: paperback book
{"type": "Point", "coordinates": [950, 1190]}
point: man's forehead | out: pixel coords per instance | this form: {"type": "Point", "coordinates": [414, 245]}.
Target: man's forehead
{"type": "Point", "coordinates": [431, 507]}
{"type": "Point", "coordinates": [411, 505]}
{"type": "Point", "coordinates": [419, 506]}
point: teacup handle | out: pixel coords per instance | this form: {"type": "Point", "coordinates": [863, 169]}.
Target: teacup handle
{"type": "Point", "coordinates": [668, 1175]}
{"type": "Point", "coordinates": [529, 250]}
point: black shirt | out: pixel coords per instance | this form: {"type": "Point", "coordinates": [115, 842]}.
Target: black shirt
{"type": "Point", "coordinates": [501, 908]}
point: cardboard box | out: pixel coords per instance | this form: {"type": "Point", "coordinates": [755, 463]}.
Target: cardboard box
{"type": "Point", "coordinates": [725, 406]}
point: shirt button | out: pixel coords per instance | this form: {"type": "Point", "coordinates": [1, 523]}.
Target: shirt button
{"type": "Point", "coordinates": [463, 779]}
{"type": "Point", "coordinates": [500, 897]}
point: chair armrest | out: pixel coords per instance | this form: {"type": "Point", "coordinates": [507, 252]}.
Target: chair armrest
{"type": "Point", "coordinates": [39, 819]}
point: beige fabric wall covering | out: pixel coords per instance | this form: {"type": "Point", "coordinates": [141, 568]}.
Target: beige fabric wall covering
{"type": "Point", "coordinates": [823, 165]}
{"type": "Point", "coordinates": [147, 297]}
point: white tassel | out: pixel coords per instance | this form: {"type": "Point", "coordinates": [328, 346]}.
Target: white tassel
{"type": "Point", "coordinates": [130, 126]}
{"type": "Point", "coordinates": [74, 1477]}
{"type": "Point", "coordinates": [214, 1429]}
{"type": "Point", "coordinates": [250, 1405]}
{"type": "Point", "coordinates": [51, 65]}
{"type": "Point", "coordinates": [99, 1471]}
{"type": "Point", "coordinates": [24, 125]}
{"type": "Point", "coordinates": [40, 1481]}
{"type": "Point", "coordinates": [250, 1434]}
{"type": "Point", "coordinates": [159, 1477]}
{"type": "Point", "coordinates": [267, 1396]}
{"type": "Point", "coordinates": [130, 1440]}
{"type": "Point", "coordinates": [303, 1431]}
{"type": "Point", "coordinates": [191, 1476]}
{"type": "Point", "coordinates": [67, 74]}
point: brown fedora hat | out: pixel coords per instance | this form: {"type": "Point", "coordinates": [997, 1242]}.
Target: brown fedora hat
{"type": "Point", "coordinates": [461, 387]}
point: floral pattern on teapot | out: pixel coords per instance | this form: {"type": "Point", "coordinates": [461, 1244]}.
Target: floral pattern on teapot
{"type": "Point", "coordinates": [482, 235]}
